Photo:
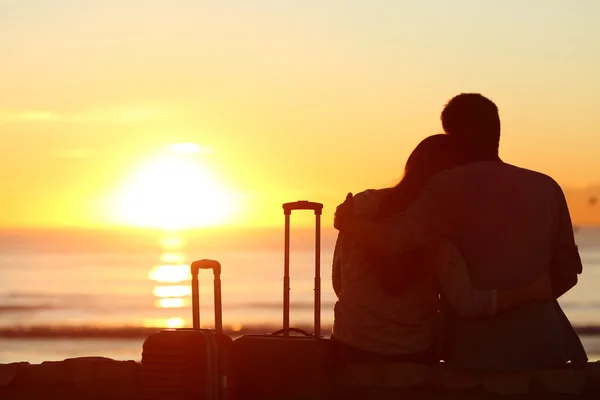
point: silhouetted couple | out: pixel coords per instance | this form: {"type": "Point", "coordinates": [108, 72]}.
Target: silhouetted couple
{"type": "Point", "coordinates": [462, 260]}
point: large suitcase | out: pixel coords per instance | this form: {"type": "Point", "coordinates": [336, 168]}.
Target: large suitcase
{"type": "Point", "coordinates": [280, 365]}
{"type": "Point", "coordinates": [189, 363]}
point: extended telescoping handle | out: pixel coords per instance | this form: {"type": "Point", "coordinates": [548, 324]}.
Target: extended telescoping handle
{"type": "Point", "coordinates": [216, 267]}
{"type": "Point", "coordinates": [287, 210]}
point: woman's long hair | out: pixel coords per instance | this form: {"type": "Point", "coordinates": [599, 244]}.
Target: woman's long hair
{"type": "Point", "coordinates": [432, 155]}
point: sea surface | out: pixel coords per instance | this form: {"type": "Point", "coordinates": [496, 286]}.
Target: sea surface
{"type": "Point", "coordinates": [98, 293]}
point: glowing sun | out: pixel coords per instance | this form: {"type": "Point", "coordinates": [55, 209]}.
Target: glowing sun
{"type": "Point", "coordinates": [175, 191]}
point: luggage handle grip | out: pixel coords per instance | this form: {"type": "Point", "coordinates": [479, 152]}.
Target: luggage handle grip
{"type": "Point", "coordinates": [286, 330]}
{"type": "Point", "coordinates": [205, 264]}
{"type": "Point", "coordinates": [303, 205]}
{"type": "Point", "coordinates": [195, 268]}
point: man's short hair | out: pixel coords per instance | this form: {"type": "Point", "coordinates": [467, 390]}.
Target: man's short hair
{"type": "Point", "coordinates": [473, 119]}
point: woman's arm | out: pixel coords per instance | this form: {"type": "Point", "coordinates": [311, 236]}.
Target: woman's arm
{"type": "Point", "coordinates": [538, 290]}
{"type": "Point", "coordinates": [336, 271]}
{"type": "Point", "coordinates": [365, 205]}
{"type": "Point", "coordinates": [453, 277]}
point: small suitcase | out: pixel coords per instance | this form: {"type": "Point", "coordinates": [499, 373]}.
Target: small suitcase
{"type": "Point", "coordinates": [279, 365]}
{"type": "Point", "coordinates": [189, 363]}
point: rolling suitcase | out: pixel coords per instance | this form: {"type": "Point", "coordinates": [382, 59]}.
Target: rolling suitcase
{"type": "Point", "coordinates": [280, 365]}
{"type": "Point", "coordinates": [189, 363]}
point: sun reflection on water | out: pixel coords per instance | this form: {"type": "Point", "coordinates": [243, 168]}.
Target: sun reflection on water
{"type": "Point", "coordinates": [172, 257]}
{"type": "Point", "coordinates": [174, 322]}
{"type": "Point", "coordinates": [172, 290]}
{"type": "Point", "coordinates": [170, 273]}
{"type": "Point", "coordinates": [170, 302]}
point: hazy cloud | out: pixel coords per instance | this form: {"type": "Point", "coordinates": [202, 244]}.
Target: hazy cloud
{"type": "Point", "coordinates": [76, 153]}
{"type": "Point", "coordinates": [113, 115]}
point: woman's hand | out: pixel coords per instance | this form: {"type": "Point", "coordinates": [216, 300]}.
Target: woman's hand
{"type": "Point", "coordinates": [540, 290]}
{"type": "Point", "coordinates": [343, 212]}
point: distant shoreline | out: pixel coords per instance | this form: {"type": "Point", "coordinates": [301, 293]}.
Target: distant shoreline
{"type": "Point", "coordinates": [133, 332]}
{"type": "Point", "coordinates": [123, 332]}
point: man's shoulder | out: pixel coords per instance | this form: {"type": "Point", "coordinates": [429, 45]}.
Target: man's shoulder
{"type": "Point", "coordinates": [494, 169]}
{"type": "Point", "coordinates": [529, 172]}
{"type": "Point", "coordinates": [491, 178]}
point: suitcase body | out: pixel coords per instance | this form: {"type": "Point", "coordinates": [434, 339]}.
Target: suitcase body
{"type": "Point", "coordinates": [189, 363]}
{"type": "Point", "coordinates": [281, 365]}
{"type": "Point", "coordinates": [270, 367]}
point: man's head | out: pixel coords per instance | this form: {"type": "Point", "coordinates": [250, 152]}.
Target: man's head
{"type": "Point", "coordinates": [473, 119]}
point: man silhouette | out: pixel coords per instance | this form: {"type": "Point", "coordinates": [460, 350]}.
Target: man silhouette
{"type": "Point", "coordinates": [510, 224]}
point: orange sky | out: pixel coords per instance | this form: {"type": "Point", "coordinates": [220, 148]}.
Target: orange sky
{"type": "Point", "coordinates": [285, 101]}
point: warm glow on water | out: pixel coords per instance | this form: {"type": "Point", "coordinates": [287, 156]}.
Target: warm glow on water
{"type": "Point", "coordinates": [170, 303]}
{"type": "Point", "coordinates": [172, 291]}
{"type": "Point", "coordinates": [171, 242]}
{"type": "Point", "coordinates": [170, 273]}
{"type": "Point", "coordinates": [236, 327]}
{"type": "Point", "coordinates": [164, 323]}
{"type": "Point", "coordinates": [172, 257]}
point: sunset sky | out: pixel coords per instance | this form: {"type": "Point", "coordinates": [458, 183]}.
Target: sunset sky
{"type": "Point", "coordinates": [151, 113]}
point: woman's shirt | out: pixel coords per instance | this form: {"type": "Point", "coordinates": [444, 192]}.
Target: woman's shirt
{"type": "Point", "coordinates": [369, 318]}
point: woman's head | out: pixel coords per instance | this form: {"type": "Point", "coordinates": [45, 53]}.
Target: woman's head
{"type": "Point", "coordinates": [432, 155]}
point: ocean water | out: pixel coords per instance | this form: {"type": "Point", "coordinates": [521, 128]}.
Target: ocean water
{"type": "Point", "coordinates": [68, 294]}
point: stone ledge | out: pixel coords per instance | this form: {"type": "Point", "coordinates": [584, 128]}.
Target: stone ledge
{"type": "Point", "coordinates": [401, 376]}
{"type": "Point", "coordinates": [75, 378]}
{"type": "Point", "coordinates": [91, 378]}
